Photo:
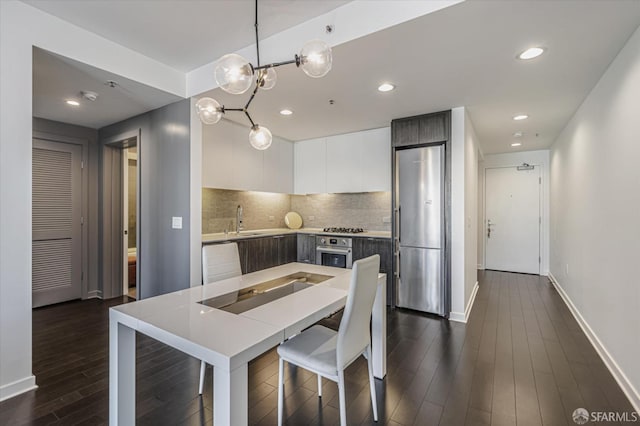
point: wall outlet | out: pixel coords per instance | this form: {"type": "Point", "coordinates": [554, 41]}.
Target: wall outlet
{"type": "Point", "coordinates": [271, 218]}
{"type": "Point", "coordinates": [312, 218]}
{"type": "Point", "coordinates": [386, 219]}
{"type": "Point", "coordinates": [176, 222]}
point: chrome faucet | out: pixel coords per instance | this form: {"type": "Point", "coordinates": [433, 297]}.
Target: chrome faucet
{"type": "Point", "coordinates": [239, 219]}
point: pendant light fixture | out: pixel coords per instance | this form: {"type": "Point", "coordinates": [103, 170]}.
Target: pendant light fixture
{"type": "Point", "coordinates": [235, 75]}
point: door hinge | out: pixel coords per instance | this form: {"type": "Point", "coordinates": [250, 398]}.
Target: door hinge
{"type": "Point", "coordinates": [81, 220]}
{"type": "Point", "coordinates": [82, 164]}
{"type": "Point", "coordinates": [539, 181]}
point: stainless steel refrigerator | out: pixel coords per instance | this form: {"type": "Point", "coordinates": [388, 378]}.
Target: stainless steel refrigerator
{"type": "Point", "coordinates": [420, 229]}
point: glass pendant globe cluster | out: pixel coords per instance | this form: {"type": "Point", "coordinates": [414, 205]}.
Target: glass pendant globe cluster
{"type": "Point", "coordinates": [234, 74]}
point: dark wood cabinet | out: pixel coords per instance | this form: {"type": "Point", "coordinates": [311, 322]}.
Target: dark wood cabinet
{"type": "Point", "coordinates": [287, 249]}
{"type": "Point", "coordinates": [306, 248]}
{"type": "Point", "coordinates": [266, 252]}
{"type": "Point", "coordinates": [366, 246]}
{"type": "Point", "coordinates": [428, 128]}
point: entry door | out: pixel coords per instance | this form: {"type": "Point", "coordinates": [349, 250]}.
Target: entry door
{"type": "Point", "coordinates": [56, 222]}
{"type": "Point", "coordinates": [512, 220]}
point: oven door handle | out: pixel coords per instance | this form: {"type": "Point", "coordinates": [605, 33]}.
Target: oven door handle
{"type": "Point", "coordinates": [333, 250]}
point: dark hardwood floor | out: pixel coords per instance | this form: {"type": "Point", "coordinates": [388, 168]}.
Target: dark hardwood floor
{"type": "Point", "coordinates": [521, 359]}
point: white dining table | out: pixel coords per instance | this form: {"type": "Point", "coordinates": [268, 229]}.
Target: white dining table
{"type": "Point", "coordinates": [226, 340]}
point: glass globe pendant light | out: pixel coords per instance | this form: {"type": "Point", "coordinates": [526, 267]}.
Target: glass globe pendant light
{"type": "Point", "coordinates": [267, 78]}
{"type": "Point", "coordinates": [315, 58]}
{"type": "Point", "coordinates": [209, 110]}
{"type": "Point", "coordinates": [234, 74]}
{"type": "Point", "coordinates": [260, 137]}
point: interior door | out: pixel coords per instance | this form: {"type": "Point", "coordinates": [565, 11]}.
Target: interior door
{"type": "Point", "coordinates": [512, 219]}
{"type": "Point", "coordinates": [56, 222]}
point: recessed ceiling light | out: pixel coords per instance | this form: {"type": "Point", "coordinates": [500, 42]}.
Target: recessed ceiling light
{"type": "Point", "coordinates": [386, 87]}
{"type": "Point", "coordinates": [286, 112]}
{"type": "Point", "coordinates": [516, 144]}
{"type": "Point", "coordinates": [72, 102]}
{"type": "Point", "coordinates": [520, 117]}
{"type": "Point", "coordinates": [518, 134]}
{"type": "Point", "coordinates": [530, 53]}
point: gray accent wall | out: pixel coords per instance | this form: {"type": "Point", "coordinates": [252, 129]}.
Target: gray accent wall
{"type": "Point", "coordinates": [164, 164]}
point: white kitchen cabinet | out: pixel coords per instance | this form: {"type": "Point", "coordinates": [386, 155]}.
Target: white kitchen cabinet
{"type": "Point", "coordinates": [310, 166]}
{"type": "Point", "coordinates": [376, 160]}
{"type": "Point", "coordinates": [277, 171]}
{"type": "Point", "coordinates": [230, 162]}
{"type": "Point", "coordinates": [247, 166]}
{"type": "Point", "coordinates": [345, 163]}
{"type": "Point", "coordinates": [352, 162]}
{"type": "Point", "coordinates": [217, 156]}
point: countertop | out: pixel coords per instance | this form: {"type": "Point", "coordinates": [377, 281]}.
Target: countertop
{"type": "Point", "coordinates": [256, 233]}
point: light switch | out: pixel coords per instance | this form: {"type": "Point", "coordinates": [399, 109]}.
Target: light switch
{"type": "Point", "coordinates": [176, 222]}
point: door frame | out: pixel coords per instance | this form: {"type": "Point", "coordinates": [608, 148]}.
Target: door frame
{"type": "Point", "coordinates": [119, 141]}
{"type": "Point", "coordinates": [483, 226]}
{"type": "Point", "coordinates": [84, 201]}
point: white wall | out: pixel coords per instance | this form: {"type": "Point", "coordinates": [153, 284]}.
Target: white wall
{"type": "Point", "coordinates": [537, 158]}
{"type": "Point", "coordinates": [21, 28]}
{"type": "Point", "coordinates": [595, 205]}
{"type": "Point", "coordinates": [464, 216]}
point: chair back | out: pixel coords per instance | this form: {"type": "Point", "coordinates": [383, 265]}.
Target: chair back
{"type": "Point", "coordinates": [219, 262]}
{"type": "Point", "coordinates": [354, 334]}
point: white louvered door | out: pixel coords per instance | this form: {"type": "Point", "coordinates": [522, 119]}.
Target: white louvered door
{"type": "Point", "coordinates": [56, 222]}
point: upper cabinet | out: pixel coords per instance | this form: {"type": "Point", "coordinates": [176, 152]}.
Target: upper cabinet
{"type": "Point", "coordinates": [310, 161]}
{"type": "Point", "coordinates": [230, 162]}
{"type": "Point", "coordinates": [353, 162]}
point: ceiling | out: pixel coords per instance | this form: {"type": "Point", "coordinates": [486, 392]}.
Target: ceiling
{"type": "Point", "coordinates": [57, 79]}
{"type": "Point", "coordinates": [184, 34]}
{"type": "Point", "coordinates": [463, 55]}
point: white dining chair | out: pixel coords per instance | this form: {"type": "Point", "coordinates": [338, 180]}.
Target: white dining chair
{"type": "Point", "coordinates": [328, 353]}
{"type": "Point", "coordinates": [219, 262]}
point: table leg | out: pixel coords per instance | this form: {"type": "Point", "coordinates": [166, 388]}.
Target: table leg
{"type": "Point", "coordinates": [122, 374]}
{"type": "Point", "coordinates": [230, 396]}
{"type": "Point", "coordinates": [379, 330]}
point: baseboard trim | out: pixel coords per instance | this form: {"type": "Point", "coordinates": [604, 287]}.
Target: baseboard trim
{"type": "Point", "coordinates": [464, 316]}
{"type": "Point", "coordinates": [16, 388]}
{"type": "Point", "coordinates": [480, 267]}
{"type": "Point", "coordinates": [94, 294]}
{"type": "Point", "coordinates": [623, 381]}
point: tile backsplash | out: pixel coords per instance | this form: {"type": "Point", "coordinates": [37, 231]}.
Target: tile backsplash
{"type": "Point", "coordinates": [365, 210]}
{"type": "Point", "coordinates": [219, 209]}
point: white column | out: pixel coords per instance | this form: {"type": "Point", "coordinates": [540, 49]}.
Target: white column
{"type": "Point", "coordinates": [122, 374]}
{"type": "Point", "coordinates": [379, 329]}
{"type": "Point", "coordinates": [230, 396]}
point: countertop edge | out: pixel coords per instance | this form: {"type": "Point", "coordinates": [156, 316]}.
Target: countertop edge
{"type": "Point", "coordinates": [221, 237]}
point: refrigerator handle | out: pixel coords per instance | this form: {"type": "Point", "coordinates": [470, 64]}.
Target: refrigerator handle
{"type": "Point", "coordinates": [399, 222]}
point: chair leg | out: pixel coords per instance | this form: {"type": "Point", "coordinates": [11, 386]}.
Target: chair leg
{"type": "Point", "coordinates": [319, 386]}
{"type": "Point", "coordinates": [203, 365]}
{"type": "Point", "coordinates": [372, 386]}
{"type": "Point", "coordinates": [343, 402]}
{"type": "Point", "coordinates": [280, 390]}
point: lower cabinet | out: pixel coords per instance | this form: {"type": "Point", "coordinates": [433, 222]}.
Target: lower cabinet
{"type": "Point", "coordinates": [365, 247]}
{"type": "Point", "coordinates": [306, 248]}
{"type": "Point", "coordinates": [266, 252]}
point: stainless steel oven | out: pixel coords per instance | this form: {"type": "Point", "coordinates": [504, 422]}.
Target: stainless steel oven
{"type": "Point", "coordinates": [334, 251]}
